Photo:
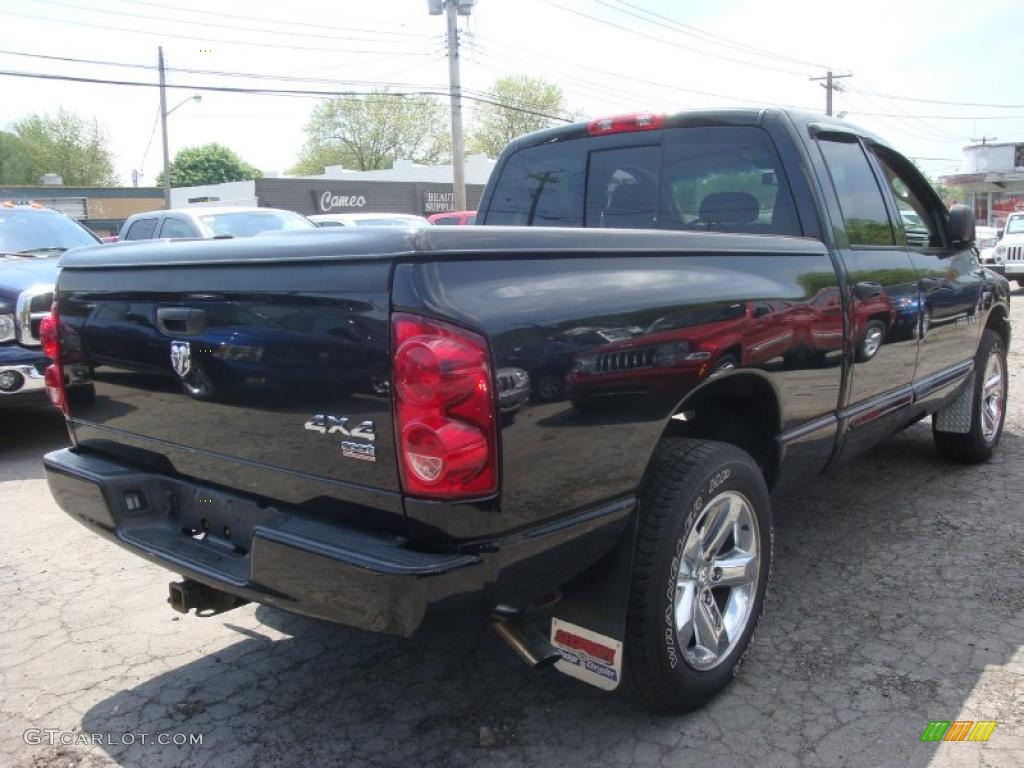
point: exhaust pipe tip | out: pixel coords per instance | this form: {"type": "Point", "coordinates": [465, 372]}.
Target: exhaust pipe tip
{"type": "Point", "coordinates": [526, 640]}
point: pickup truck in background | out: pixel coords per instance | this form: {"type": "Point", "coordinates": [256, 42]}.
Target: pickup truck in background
{"type": "Point", "coordinates": [32, 238]}
{"type": "Point", "coordinates": [721, 303]}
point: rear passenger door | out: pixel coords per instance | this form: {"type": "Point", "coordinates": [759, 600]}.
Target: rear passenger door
{"type": "Point", "coordinates": [880, 297]}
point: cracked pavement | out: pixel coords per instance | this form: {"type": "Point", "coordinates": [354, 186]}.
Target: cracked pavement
{"type": "Point", "coordinates": [897, 598]}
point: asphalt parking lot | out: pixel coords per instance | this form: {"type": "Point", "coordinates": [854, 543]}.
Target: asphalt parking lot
{"type": "Point", "coordinates": [898, 598]}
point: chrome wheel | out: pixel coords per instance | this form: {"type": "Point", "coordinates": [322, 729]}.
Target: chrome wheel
{"type": "Point", "coordinates": [872, 340]}
{"type": "Point", "coordinates": [717, 580]}
{"type": "Point", "coordinates": [993, 395]}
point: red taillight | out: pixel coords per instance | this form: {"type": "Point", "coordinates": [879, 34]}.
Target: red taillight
{"type": "Point", "coordinates": [641, 121]}
{"type": "Point", "coordinates": [48, 335]}
{"type": "Point", "coordinates": [53, 378]}
{"type": "Point", "coordinates": [444, 409]}
{"type": "Point", "coordinates": [54, 381]}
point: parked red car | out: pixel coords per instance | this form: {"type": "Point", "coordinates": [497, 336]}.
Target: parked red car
{"type": "Point", "coordinates": [453, 218]}
{"type": "Point", "coordinates": [678, 351]}
{"type": "Point", "coordinates": [818, 325]}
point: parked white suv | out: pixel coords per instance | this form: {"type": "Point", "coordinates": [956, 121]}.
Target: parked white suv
{"type": "Point", "coordinates": [1010, 250]}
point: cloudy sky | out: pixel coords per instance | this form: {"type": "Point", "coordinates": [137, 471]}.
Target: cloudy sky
{"type": "Point", "coordinates": [929, 80]}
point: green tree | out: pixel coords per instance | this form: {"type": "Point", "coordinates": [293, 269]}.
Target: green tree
{"type": "Point", "coordinates": [207, 164]}
{"type": "Point", "coordinates": [12, 161]}
{"type": "Point", "coordinates": [535, 103]}
{"type": "Point", "coordinates": [368, 133]}
{"type": "Point", "coordinates": [64, 143]}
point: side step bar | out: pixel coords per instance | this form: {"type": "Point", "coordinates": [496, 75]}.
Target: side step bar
{"type": "Point", "coordinates": [188, 594]}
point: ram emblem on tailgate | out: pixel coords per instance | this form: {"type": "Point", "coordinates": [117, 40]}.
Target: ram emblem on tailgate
{"type": "Point", "coordinates": [181, 357]}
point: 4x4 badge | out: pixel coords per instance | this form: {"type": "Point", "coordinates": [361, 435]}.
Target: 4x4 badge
{"type": "Point", "coordinates": [181, 357]}
{"type": "Point", "coordinates": [334, 425]}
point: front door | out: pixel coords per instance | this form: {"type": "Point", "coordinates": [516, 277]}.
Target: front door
{"type": "Point", "coordinates": [949, 277]}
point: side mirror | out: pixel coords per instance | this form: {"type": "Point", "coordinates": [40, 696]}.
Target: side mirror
{"type": "Point", "coordinates": [999, 234]}
{"type": "Point", "coordinates": [960, 225]}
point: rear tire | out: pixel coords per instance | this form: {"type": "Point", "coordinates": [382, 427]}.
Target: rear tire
{"type": "Point", "coordinates": [700, 572]}
{"type": "Point", "coordinates": [988, 407]}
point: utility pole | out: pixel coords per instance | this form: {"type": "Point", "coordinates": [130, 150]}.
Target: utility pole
{"type": "Point", "coordinates": [163, 127]}
{"type": "Point", "coordinates": [455, 86]}
{"type": "Point", "coordinates": [453, 9]}
{"type": "Point", "coordinates": [830, 86]}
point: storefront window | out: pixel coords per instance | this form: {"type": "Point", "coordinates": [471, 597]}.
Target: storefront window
{"type": "Point", "coordinates": [1003, 205]}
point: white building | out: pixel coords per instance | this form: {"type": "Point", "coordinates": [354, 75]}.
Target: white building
{"type": "Point", "coordinates": [406, 187]}
{"type": "Point", "coordinates": [993, 177]}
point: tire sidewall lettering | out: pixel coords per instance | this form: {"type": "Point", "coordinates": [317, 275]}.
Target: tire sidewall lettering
{"type": "Point", "coordinates": [713, 483]}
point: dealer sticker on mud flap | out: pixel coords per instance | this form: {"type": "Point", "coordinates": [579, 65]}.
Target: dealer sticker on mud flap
{"type": "Point", "coordinates": [586, 655]}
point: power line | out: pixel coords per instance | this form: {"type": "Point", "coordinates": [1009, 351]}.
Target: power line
{"type": "Point", "coordinates": [939, 117]}
{"type": "Point", "coordinates": [708, 37]}
{"type": "Point", "coordinates": [928, 131]}
{"type": "Point", "coordinates": [642, 81]}
{"type": "Point", "coordinates": [899, 107]}
{"type": "Point", "coordinates": [278, 91]}
{"type": "Point", "coordinates": [906, 131]}
{"type": "Point", "coordinates": [225, 41]}
{"type": "Point", "coordinates": [284, 22]}
{"type": "Point", "coordinates": [233, 27]}
{"type": "Point", "coordinates": [673, 43]}
{"type": "Point", "coordinates": [149, 143]}
{"type": "Point", "coordinates": [895, 97]}
{"type": "Point", "coordinates": [248, 75]}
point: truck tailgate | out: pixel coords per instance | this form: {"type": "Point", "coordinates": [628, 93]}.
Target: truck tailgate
{"type": "Point", "coordinates": [265, 376]}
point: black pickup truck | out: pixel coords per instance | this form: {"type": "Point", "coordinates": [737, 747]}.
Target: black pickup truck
{"type": "Point", "coordinates": [567, 425]}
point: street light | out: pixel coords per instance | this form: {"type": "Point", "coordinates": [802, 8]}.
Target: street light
{"type": "Point", "coordinates": [196, 97]}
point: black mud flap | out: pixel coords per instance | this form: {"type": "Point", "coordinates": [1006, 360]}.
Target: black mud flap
{"type": "Point", "coordinates": [588, 625]}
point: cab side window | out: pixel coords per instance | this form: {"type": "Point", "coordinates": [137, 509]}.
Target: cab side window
{"type": "Point", "coordinates": [176, 228]}
{"type": "Point", "coordinates": [141, 229]}
{"type": "Point", "coordinates": [917, 226]}
{"type": "Point", "coordinates": [860, 199]}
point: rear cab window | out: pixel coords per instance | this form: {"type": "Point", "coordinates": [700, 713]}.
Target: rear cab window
{"type": "Point", "coordinates": [716, 179]}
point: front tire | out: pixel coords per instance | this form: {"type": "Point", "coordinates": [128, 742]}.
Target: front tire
{"type": "Point", "coordinates": [874, 337]}
{"type": "Point", "coordinates": [988, 407]}
{"type": "Point", "coordinates": [700, 573]}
